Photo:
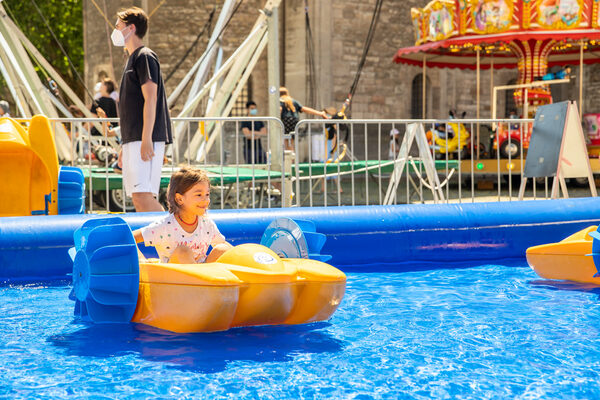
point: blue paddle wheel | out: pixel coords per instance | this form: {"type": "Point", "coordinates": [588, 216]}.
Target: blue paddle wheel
{"type": "Point", "coordinates": [295, 239]}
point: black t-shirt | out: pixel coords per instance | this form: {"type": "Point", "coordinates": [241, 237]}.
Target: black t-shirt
{"type": "Point", "coordinates": [257, 125]}
{"type": "Point", "coordinates": [110, 108]}
{"type": "Point", "coordinates": [142, 66]}
{"type": "Point", "coordinates": [107, 104]}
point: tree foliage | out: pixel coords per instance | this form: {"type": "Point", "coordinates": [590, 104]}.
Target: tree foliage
{"type": "Point", "coordinates": [65, 18]}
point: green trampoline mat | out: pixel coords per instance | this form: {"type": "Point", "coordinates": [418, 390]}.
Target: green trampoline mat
{"type": "Point", "coordinates": [102, 178]}
{"type": "Point", "coordinates": [387, 166]}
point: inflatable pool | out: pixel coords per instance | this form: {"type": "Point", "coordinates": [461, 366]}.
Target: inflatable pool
{"type": "Point", "coordinates": [573, 258]}
{"type": "Point", "coordinates": [248, 285]}
{"type": "Point", "coordinates": [382, 237]}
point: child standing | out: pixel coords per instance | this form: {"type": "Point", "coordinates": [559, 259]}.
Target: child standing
{"type": "Point", "coordinates": [184, 235]}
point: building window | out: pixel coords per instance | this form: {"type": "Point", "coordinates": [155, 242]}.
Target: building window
{"type": "Point", "coordinates": [416, 105]}
{"type": "Point", "coordinates": [239, 108]}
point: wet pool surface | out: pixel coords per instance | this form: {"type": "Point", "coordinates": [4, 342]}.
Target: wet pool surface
{"type": "Point", "coordinates": [490, 331]}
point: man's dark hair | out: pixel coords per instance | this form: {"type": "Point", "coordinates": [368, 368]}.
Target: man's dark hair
{"type": "Point", "coordinates": [250, 104]}
{"type": "Point", "coordinates": [110, 85]}
{"type": "Point", "coordinates": [137, 17]}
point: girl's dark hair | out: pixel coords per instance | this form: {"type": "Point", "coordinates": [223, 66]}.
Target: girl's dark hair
{"type": "Point", "coordinates": [181, 182]}
{"type": "Point", "coordinates": [137, 17]}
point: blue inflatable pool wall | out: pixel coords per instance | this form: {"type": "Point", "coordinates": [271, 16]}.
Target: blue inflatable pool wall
{"type": "Point", "coordinates": [361, 236]}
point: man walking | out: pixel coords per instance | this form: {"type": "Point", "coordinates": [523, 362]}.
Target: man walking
{"type": "Point", "coordinates": [144, 116]}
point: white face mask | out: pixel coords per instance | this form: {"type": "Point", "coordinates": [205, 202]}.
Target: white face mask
{"type": "Point", "coordinates": [117, 37]}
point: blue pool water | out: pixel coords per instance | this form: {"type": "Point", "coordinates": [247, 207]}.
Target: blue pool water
{"type": "Point", "coordinates": [482, 332]}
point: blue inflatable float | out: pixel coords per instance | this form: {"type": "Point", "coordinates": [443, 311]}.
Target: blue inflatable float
{"type": "Point", "coordinates": [361, 236]}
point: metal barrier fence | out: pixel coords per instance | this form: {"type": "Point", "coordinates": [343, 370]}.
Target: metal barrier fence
{"type": "Point", "coordinates": [244, 173]}
{"type": "Point", "coordinates": [334, 162]}
{"type": "Point", "coordinates": [361, 162]}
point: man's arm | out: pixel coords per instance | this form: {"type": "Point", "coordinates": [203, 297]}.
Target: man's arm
{"type": "Point", "coordinates": [247, 133]}
{"type": "Point", "coordinates": [149, 91]}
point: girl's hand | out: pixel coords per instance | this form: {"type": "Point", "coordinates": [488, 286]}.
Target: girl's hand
{"type": "Point", "coordinates": [324, 115]}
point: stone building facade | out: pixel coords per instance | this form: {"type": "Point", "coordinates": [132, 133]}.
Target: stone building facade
{"type": "Point", "coordinates": [339, 29]}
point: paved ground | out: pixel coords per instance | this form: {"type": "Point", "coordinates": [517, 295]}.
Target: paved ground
{"type": "Point", "coordinates": [483, 190]}
{"type": "Point", "coordinates": [373, 191]}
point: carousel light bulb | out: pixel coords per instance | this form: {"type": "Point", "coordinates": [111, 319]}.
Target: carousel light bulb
{"type": "Point", "coordinates": [479, 166]}
{"type": "Point", "coordinates": [510, 166]}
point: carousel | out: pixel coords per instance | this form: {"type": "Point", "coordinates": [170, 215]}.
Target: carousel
{"type": "Point", "coordinates": [530, 35]}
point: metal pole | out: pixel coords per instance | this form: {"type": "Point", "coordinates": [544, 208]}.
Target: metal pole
{"type": "Point", "coordinates": [19, 101]}
{"type": "Point", "coordinates": [250, 42]}
{"type": "Point", "coordinates": [494, 100]}
{"type": "Point", "coordinates": [525, 104]}
{"type": "Point", "coordinates": [223, 95]}
{"type": "Point", "coordinates": [492, 78]}
{"type": "Point", "coordinates": [203, 69]}
{"type": "Point", "coordinates": [424, 105]}
{"type": "Point", "coordinates": [201, 66]}
{"type": "Point", "coordinates": [478, 90]}
{"type": "Point", "coordinates": [581, 78]}
{"type": "Point", "coordinates": [276, 145]}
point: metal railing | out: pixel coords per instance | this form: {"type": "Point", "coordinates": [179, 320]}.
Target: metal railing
{"type": "Point", "coordinates": [359, 170]}
{"type": "Point", "coordinates": [475, 159]}
{"type": "Point", "coordinates": [240, 177]}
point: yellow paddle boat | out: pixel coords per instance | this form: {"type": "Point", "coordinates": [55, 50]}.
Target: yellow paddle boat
{"type": "Point", "coordinates": [571, 259]}
{"type": "Point", "coordinates": [250, 284]}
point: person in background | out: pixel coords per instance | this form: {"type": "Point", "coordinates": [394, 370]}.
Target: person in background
{"type": "Point", "coordinates": [114, 94]}
{"type": "Point", "coordinates": [97, 88]}
{"type": "Point", "coordinates": [79, 133]}
{"type": "Point", "coordinates": [561, 74]}
{"type": "Point", "coordinates": [144, 116]}
{"type": "Point", "coordinates": [253, 131]}
{"type": "Point", "coordinates": [325, 148]}
{"type": "Point", "coordinates": [290, 109]}
{"type": "Point", "coordinates": [513, 115]}
{"type": "Point", "coordinates": [105, 106]}
{"type": "Point", "coordinates": [323, 143]}
{"type": "Point", "coordinates": [394, 144]}
{"type": "Point", "coordinates": [4, 109]}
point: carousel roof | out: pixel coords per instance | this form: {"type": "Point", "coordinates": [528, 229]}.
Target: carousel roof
{"type": "Point", "coordinates": [449, 32]}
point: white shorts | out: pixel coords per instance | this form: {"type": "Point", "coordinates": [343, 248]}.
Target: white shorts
{"type": "Point", "coordinates": [142, 176]}
{"type": "Point", "coordinates": [318, 148]}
